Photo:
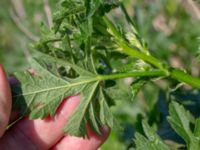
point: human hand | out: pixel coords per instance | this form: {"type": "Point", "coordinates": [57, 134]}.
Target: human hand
{"type": "Point", "coordinates": [42, 134]}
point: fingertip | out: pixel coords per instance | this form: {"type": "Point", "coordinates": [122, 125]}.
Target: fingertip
{"type": "Point", "coordinates": [5, 100]}
{"type": "Point", "coordinates": [99, 139]}
{"type": "Point", "coordinates": [105, 130]}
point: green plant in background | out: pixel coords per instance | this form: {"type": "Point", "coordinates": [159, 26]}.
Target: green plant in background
{"type": "Point", "coordinates": [180, 120]}
{"type": "Point", "coordinates": [83, 51]}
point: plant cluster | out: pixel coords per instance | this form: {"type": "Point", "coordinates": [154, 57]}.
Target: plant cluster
{"type": "Point", "coordinates": [86, 53]}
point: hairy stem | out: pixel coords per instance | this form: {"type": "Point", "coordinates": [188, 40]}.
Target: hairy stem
{"type": "Point", "coordinates": [184, 77]}
{"type": "Point", "coordinates": [152, 73]}
{"type": "Point", "coordinates": [133, 52]}
{"type": "Point", "coordinates": [48, 13]}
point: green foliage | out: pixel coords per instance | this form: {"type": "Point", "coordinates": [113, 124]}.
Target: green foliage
{"type": "Point", "coordinates": [70, 58]}
{"type": "Point", "coordinates": [180, 119]}
{"type": "Point", "coordinates": [86, 53]}
{"type": "Point", "coordinates": [153, 142]}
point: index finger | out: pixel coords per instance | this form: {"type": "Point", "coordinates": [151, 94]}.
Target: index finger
{"type": "Point", "coordinates": [5, 101]}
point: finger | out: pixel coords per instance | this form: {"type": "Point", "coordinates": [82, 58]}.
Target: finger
{"type": "Point", "coordinates": [5, 101]}
{"type": "Point", "coordinates": [40, 134]}
{"type": "Point", "coordinates": [75, 143]}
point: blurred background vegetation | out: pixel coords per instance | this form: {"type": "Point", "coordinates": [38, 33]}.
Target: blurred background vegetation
{"type": "Point", "coordinates": [172, 31]}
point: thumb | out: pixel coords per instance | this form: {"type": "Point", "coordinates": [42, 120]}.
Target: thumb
{"type": "Point", "coordinates": [5, 101]}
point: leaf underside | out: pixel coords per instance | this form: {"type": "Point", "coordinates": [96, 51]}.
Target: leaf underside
{"type": "Point", "coordinates": [40, 95]}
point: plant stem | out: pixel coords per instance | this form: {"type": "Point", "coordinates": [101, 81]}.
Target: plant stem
{"type": "Point", "coordinates": [152, 73]}
{"type": "Point", "coordinates": [186, 78]}
{"type": "Point", "coordinates": [173, 73]}
{"type": "Point", "coordinates": [147, 58]}
{"type": "Point", "coordinates": [22, 28]}
{"type": "Point", "coordinates": [48, 13]}
{"type": "Point", "coordinates": [133, 52]}
{"type": "Point", "coordinates": [53, 40]}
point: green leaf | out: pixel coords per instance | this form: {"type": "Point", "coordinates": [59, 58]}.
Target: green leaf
{"type": "Point", "coordinates": [39, 98]}
{"type": "Point", "coordinates": [180, 120]}
{"type": "Point", "coordinates": [94, 121]}
{"type": "Point", "coordinates": [92, 6]}
{"type": "Point", "coordinates": [197, 128]}
{"type": "Point", "coordinates": [86, 29]}
{"type": "Point", "coordinates": [136, 86]}
{"type": "Point", "coordinates": [154, 142]}
{"type": "Point", "coordinates": [81, 71]}
{"type": "Point", "coordinates": [106, 116]}
{"type": "Point", "coordinates": [75, 124]}
{"type": "Point", "coordinates": [42, 97]}
{"type": "Point", "coordinates": [70, 10]}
